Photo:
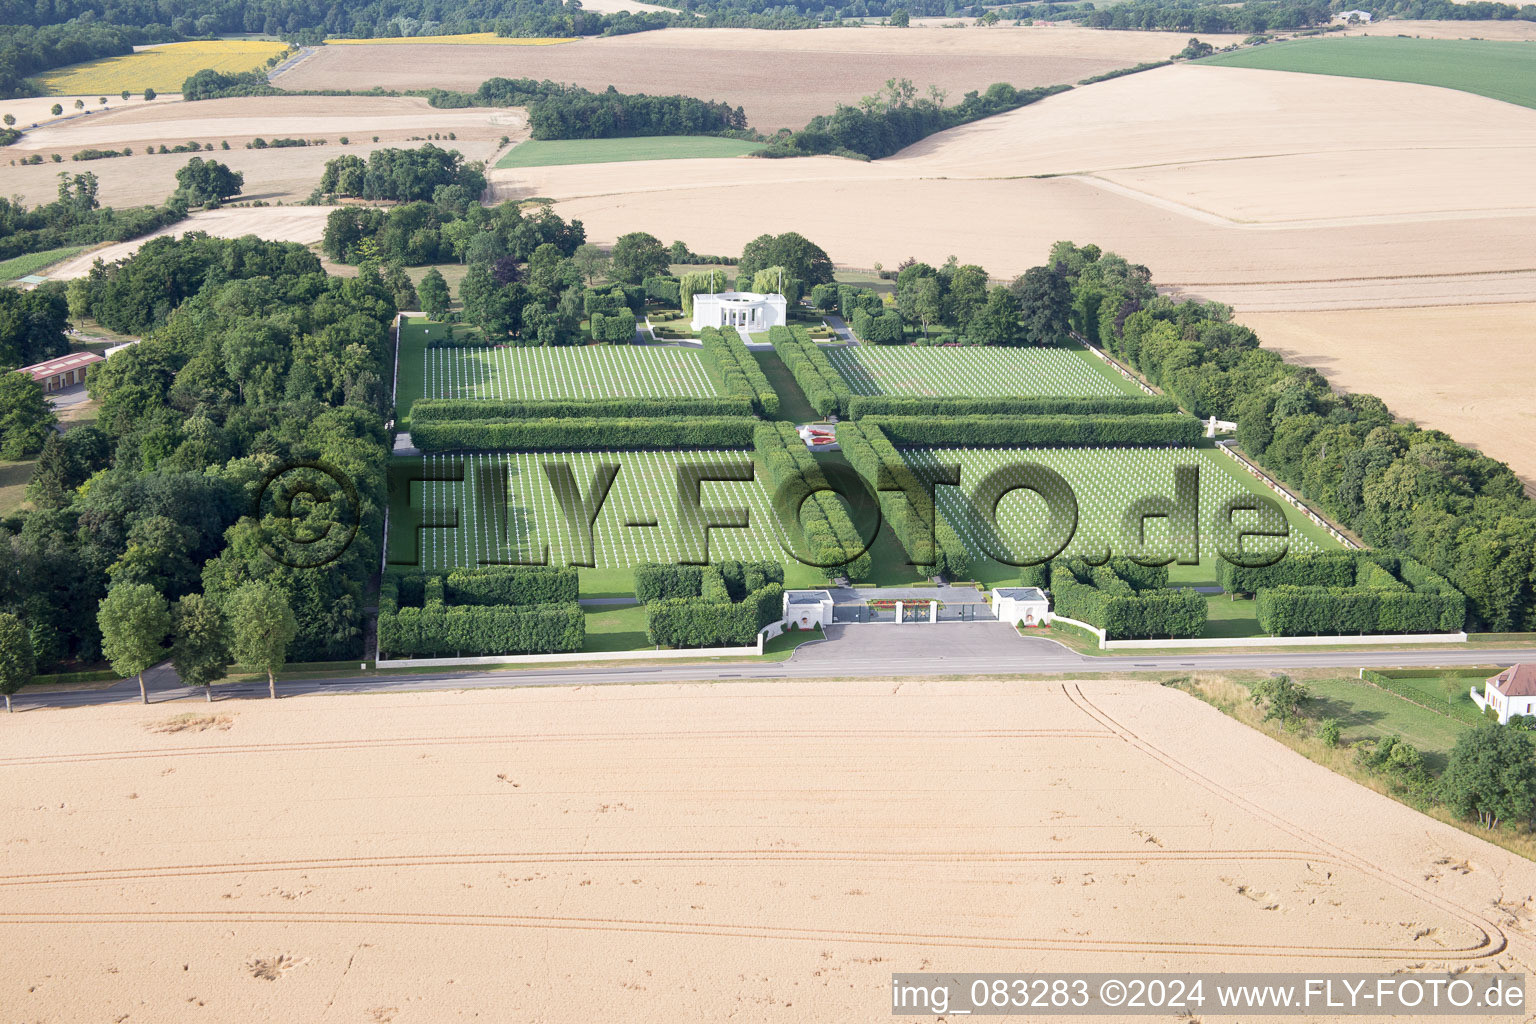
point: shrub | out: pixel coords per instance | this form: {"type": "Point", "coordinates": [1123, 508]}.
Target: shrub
{"type": "Point", "coordinates": [595, 408]}
{"type": "Point", "coordinates": [1166, 430]}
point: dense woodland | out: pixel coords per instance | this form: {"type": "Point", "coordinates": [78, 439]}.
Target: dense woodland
{"type": "Point", "coordinates": [403, 175]}
{"type": "Point", "coordinates": [253, 358]}
{"type": "Point", "coordinates": [558, 111]}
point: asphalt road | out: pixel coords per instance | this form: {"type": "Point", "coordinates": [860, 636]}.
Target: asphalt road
{"type": "Point", "coordinates": [867, 651]}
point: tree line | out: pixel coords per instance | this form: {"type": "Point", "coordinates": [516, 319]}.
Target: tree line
{"type": "Point", "coordinates": [560, 111]}
{"type": "Point", "coordinates": [1401, 488]}
{"type": "Point", "coordinates": [402, 175]}
{"type": "Point", "coordinates": [886, 122]}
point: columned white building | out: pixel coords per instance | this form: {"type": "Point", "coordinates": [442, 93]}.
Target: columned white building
{"type": "Point", "coordinates": [748, 312]}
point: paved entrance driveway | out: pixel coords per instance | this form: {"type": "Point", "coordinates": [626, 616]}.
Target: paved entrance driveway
{"type": "Point", "coordinates": [933, 644]}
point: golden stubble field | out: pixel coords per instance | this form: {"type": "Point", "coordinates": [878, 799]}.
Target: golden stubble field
{"type": "Point", "coordinates": [758, 852]}
{"type": "Point", "coordinates": [270, 174]}
{"type": "Point", "coordinates": [1460, 369]}
{"type": "Point", "coordinates": [782, 79]}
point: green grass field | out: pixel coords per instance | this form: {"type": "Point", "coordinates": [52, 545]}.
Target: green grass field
{"type": "Point", "coordinates": [1501, 71]}
{"type": "Point", "coordinates": [1105, 482]}
{"type": "Point", "coordinates": [607, 151]}
{"type": "Point", "coordinates": [32, 262]}
{"type": "Point", "coordinates": [974, 371]}
{"type": "Point", "coordinates": [505, 509]}
{"type": "Point", "coordinates": [594, 371]}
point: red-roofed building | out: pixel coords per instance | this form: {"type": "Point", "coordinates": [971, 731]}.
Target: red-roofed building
{"type": "Point", "coordinates": [1511, 692]}
{"type": "Point", "coordinates": [63, 372]}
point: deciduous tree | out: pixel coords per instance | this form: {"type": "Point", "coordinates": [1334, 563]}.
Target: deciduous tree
{"type": "Point", "coordinates": [200, 648]}
{"type": "Point", "coordinates": [17, 662]}
{"type": "Point", "coordinates": [134, 621]}
{"type": "Point", "coordinates": [261, 626]}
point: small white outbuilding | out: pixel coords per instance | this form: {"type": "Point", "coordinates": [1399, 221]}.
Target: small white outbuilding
{"type": "Point", "coordinates": [808, 608]}
{"type": "Point", "coordinates": [1027, 605]}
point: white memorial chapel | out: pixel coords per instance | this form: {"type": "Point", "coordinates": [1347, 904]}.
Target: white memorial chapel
{"type": "Point", "coordinates": [748, 312]}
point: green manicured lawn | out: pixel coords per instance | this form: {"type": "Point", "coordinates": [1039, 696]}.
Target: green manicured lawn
{"type": "Point", "coordinates": [1501, 71]}
{"type": "Point", "coordinates": [1105, 481]}
{"type": "Point", "coordinates": [590, 371]}
{"type": "Point", "coordinates": [620, 628]}
{"type": "Point", "coordinates": [32, 262]}
{"type": "Point", "coordinates": [794, 407]}
{"type": "Point", "coordinates": [974, 371]}
{"type": "Point", "coordinates": [504, 507]}
{"type": "Point", "coordinates": [607, 151]}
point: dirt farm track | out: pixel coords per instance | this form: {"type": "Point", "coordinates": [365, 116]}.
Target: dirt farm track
{"type": "Point", "coordinates": [752, 851]}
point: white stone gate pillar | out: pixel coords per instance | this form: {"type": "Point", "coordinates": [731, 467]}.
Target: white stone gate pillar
{"type": "Point", "coordinates": [898, 613]}
{"type": "Point", "coordinates": [933, 611]}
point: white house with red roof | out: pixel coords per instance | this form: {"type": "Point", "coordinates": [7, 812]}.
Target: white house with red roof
{"type": "Point", "coordinates": [1511, 692]}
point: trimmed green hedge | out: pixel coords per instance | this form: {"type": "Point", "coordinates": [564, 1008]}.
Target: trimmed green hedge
{"type": "Point", "coordinates": [583, 434]}
{"type": "Point", "coordinates": [513, 585]}
{"type": "Point", "coordinates": [829, 533]}
{"type": "Point", "coordinates": [915, 405]}
{"type": "Point", "coordinates": [1059, 431]}
{"type": "Point", "coordinates": [735, 371]}
{"type": "Point", "coordinates": [707, 622]}
{"type": "Point", "coordinates": [1101, 596]}
{"type": "Point", "coordinates": [592, 408]}
{"type": "Point", "coordinates": [1338, 593]}
{"type": "Point", "coordinates": [440, 631]}
{"type": "Point", "coordinates": [718, 605]}
{"type": "Point", "coordinates": [616, 328]}
{"type": "Point", "coordinates": [824, 387]}
{"type": "Point", "coordinates": [911, 512]}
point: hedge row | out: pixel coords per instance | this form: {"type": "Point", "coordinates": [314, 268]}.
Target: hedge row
{"type": "Point", "coordinates": [735, 370]}
{"type": "Point", "coordinates": [706, 622]}
{"type": "Point", "coordinates": [486, 585]}
{"type": "Point", "coordinates": [831, 540]}
{"type": "Point", "coordinates": [617, 328]}
{"type": "Point", "coordinates": [478, 630]}
{"type": "Point", "coordinates": [824, 387]}
{"type": "Point", "coordinates": [1099, 595]}
{"type": "Point", "coordinates": [1342, 611]}
{"type": "Point", "coordinates": [910, 511]}
{"type": "Point", "coordinates": [914, 405]}
{"type": "Point", "coordinates": [583, 434]}
{"type": "Point", "coordinates": [1425, 700]}
{"type": "Point", "coordinates": [657, 581]}
{"type": "Point", "coordinates": [592, 408]}
{"type": "Point", "coordinates": [1061, 431]}
{"type": "Point", "coordinates": [1326, 569]}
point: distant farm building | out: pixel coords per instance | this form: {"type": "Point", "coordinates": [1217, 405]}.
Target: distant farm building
{"type": "Point", "coordinates": [1363, 17]}
{"type": "Point", "coordinates": [63, 372]}
{"type": "Point", "coordinates": [1511, 692]}
{"type": "Point", "coordinates": [745, 311]}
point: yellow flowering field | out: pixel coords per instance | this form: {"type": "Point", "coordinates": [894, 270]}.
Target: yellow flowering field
{"type": "Point", "coordinates": [161, 68]}
{"type": "Point", "coordinates": [467, 38]}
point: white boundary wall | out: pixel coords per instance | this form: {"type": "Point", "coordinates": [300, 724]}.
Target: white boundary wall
{"type": "Point", "coordinates": [1289, 641]}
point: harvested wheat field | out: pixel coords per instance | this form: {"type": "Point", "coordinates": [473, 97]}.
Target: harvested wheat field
{"type": "Point", "coordinates": [304, 224]}
{"type": "Point", "coordinates": [783, 79]}
{"type": "Point", "coordinates": [270, 174]}
{"type": "Point", "coordinates": [758, 852]}
{"type": "Point", "coordinates": [1460, 369]}
{"type": "Point", "coordinates": [1216, 177]}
